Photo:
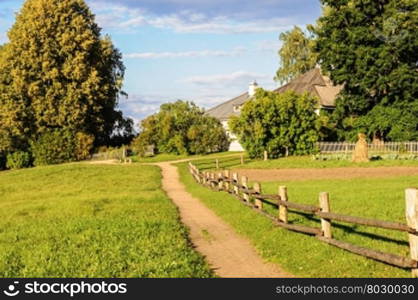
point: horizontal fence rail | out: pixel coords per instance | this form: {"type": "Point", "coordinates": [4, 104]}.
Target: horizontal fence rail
{"type": "Point", "coordinates": [255, 199]}
{"type": "Point", "coordinates": [222, 163]}
{"type": "Point", "coordinates": [378, 148]}
{"type": "Point", "coordinates": [115, 154]}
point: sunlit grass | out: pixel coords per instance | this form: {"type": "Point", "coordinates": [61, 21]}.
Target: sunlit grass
{"type": "Point", "coordinates": [92, 221]}
{"type": "Point", "coordinates": [164, 157]}
{"type": "Point", "coordinates": [304, 255]}
{"type": "Point", "coordinates": [309, 162]}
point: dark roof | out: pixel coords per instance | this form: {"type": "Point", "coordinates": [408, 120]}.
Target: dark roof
{"type": "Point", "coordinates": [316, 84]}
{"type": "Point", "coordinates": [226, 110]}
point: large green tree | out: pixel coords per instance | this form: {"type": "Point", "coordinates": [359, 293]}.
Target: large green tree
{"type": "Point", "coordinates": [282, 124]}
{"type": "Point", "coordinates": [182, 128]}
{"type": "Point", "coordinates": [371, 47]}
{"type": "Point", "coordinates": [297, 54]}
{"type": "Point", "coordinates": [58, 72]}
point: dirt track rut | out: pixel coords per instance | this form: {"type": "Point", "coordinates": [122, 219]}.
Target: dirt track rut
{"type": "Point", "coordinates": [229, 254]}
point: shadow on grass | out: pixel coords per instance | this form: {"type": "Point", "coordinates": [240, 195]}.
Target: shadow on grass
{"type": "Point", "coordinates": [347, 229]}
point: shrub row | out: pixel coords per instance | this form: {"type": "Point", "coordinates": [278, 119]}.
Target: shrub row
{"type": "Point", "coordinates": [53, 147]}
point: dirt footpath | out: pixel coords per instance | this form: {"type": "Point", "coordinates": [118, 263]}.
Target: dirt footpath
{"type": "Point", "coordinates": [229, 254]}
{"type": "Point", "coordinates": [330, 173]}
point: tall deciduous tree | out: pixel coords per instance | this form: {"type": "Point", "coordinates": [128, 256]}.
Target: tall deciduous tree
{"type": "Point", "coordinates": [371, 47]}
{"type": "Point", "coordinates": [57, 72]}
{"type": "Point", "coordinates": [297, 54]}
{"type": "Point", "coordinates": [282, 124]}
{"type": "Point", "coordinates": [182, 128]}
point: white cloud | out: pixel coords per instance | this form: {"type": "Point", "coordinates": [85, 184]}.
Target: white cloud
{"type": "Point", "coordinates": [239, 78]}
{"type": "Point", "coordinates": [219, 25]}
{"type": "Point", "coordinates": [203, 53]}
{"type": "Point", "coordinates": [120, 17]}
{"type": "Point", "coordinates": [269, 46]}
{"type": "Point", "coordinates": [3, 38]}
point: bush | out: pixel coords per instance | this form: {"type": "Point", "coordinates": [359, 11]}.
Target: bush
{"type": "Point", "coordinates": [18, 160]}
{"type": "Point", "coordinates": [181, 128]}
{"type": "Point", "coordinates": [54, 147]}
{"type": "Point", "coordinates": [282, 124]}
{"type": "Point", "coordinates": [84, 146]}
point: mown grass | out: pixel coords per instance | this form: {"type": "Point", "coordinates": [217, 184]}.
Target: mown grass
{"type": "Point", "coordinates": [309, 162]}
{"type": "Point", "coordinates": [92, 221]}
{"type": "Point", "coordinates": [305, 256]}
{"type": "Point", "coordinates": [164, 157]}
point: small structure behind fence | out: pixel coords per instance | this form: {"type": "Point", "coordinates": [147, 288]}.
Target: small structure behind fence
{"type": "Point", "coordinates": [120, 154]}
{"type": "Point", "coordinates": [374, 149]}
{"type": "Point", "coordinates": [255, 199]}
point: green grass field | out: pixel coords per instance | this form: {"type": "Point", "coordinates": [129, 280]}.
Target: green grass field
{"type": "Point", "coordinates": [305, 256]}
{"type": "Point", "coordinates": [308, 162]}
{"type": "Point", "coordinates": [82, 220]}
{"type": "Point", "coordinates": [172, 157]}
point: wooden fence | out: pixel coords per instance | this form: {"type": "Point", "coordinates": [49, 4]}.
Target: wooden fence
{"type": "Point", "coordinates": [255, 199]}
{"type": "Point", "coordinates": [120, 154]}
{"type": "Point", "coordinates": [380, 148]}
{"type": "Point", "coordinates": [221, 163]}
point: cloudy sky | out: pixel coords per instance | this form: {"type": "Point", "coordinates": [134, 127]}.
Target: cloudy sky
{"type": "Point", "coordinates": [206, 51]}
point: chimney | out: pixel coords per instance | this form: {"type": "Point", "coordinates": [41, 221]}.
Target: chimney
{"type": "Point", "coordinates": [253, 88]}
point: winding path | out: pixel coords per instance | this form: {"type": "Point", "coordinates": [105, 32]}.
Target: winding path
{"type": "Point", "coordinates": [228, 253]}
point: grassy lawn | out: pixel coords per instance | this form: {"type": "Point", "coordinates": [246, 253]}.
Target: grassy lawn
{"type": "Point", "coordinates": [305, 256]}
{"type": "Point", "coordinates": [308, 162]}
{"type": "Point", "coordinates": [172, 157]}
{"type": "Point", "coordinates": [92, 221]}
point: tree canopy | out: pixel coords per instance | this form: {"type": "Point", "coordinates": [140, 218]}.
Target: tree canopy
{"type": "Point", "coordinates": [182, 128]}
{"type": "Point", "coordinates": [371, 47]}
{"type": "Point", "coordinates": [297, 55]}
{"type": "Point", "coordinates": [282, 124]}
{"type": "Point", "coordinates": [58, 72]}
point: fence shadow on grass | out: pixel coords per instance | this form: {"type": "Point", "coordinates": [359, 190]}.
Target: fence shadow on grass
{"type": "Point", "coordinates": [255, 199]}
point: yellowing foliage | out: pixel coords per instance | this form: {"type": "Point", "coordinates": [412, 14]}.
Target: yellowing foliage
{"type": "Point", "coordinates": [57, 72]}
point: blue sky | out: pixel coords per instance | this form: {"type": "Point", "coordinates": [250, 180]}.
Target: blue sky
{"type": "Point", "coordinates": [206, 51]}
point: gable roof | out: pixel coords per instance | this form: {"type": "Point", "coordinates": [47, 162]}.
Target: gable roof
{"type": "Point", "coordinates": [316, 84]}
{"type": "Point", "coordinates": [312, 82]}
{"type": "Point", "coordinates": [226, 110]}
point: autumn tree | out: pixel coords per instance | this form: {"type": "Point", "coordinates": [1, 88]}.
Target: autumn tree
{"type": "Point", "coordinates": [181, 128]}
{"type": "Point", "coordinates": [371, 47]}
{"type": "Point", "coordinates": [297, 55]}
{"type": "Point", "coordinates": [58, 73]}
{"type": "Point", "coordinates": [282, 124]}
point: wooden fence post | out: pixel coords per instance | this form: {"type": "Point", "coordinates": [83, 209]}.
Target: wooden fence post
{"type": "Point", "coordinates": [242, 159]}
{"type": "Point", "coordinates": [258, 203]}
{"type": "Point", "coordinates": [283, 213]}
{"type": "Point", "coordinates": [266, 156]}
{"type": "Point", "coordinates": [325, 223]}
{"type": "Point", "coordinates": [203, 178]}
{"type": "Point", "coordinates": [217, 164]}
{"type": "Point", "coordinates": [221, 181]}
{"type": "Point", "coordinates": [244, 183]}
{"type": "Point", "coordinates": [236, 183]}
{"type": "Point", "coordinates": [212, 180]}
{"type": "Point", "coordinates": [227, 176]}
{"type": "Point", "coordinates": [412, 219]}
{"type": "Point", "coordinates": [198, 178]}
{"type": "Point", "coordinates": [124, 154]}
